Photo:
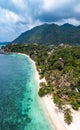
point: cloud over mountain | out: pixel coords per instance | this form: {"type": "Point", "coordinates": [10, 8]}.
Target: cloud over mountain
{"type": "Point", "coordinates": [17, 16]}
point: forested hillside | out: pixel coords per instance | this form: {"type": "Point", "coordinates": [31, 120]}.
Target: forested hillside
{"type": "Point", "coordinates": [51, 34]}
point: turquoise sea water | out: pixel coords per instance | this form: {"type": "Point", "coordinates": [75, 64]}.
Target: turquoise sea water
{"type": "Point", "coordinates": [20, 105]}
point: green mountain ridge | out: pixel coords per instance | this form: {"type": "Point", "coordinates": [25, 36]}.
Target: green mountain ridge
{"type": "Point", "coordinates": [51, 34]}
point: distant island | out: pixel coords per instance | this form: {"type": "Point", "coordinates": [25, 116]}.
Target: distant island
{"type": "Point", "coordinates": [4, 43]}
{"type": "Point", "coordinates": [60, 65]}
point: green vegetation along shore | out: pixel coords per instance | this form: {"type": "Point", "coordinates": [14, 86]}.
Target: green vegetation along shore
{"type": "Point", "coordinates": [60, 65]}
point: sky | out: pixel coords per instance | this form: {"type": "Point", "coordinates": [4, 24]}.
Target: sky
{"type": "Point", "coordinates": [17, 16]}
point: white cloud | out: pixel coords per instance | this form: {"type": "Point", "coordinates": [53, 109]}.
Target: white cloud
{"type": "Point", "coordinates": [17, 16]}
{"type": "Point", "coordinates": [7, 16]}
{"type": "Point", "coordinates": [69, 20]}
{"type": "Point", "coordinates": [33, 24]}
{"type": "Point", "coordinates": [77, 8]}
{"type": "Point", "coordinates": [49, 5]}
{"type": "Point", "coordinates": [73, 21]}
{"type": "Point", "coordinates": [8, 20]}
{"type": "Point", "coordinates": [19, 4]}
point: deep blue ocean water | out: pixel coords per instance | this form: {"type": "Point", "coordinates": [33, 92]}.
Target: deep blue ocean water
{"type": "Point", "coordinates": [20, 105]}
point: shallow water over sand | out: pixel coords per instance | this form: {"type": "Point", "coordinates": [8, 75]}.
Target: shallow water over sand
{"type": "Point", "coordinates": [20, 105]}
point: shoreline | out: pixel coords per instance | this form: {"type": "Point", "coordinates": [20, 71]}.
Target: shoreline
{"type": "Point", "coordinates": [55, 115]}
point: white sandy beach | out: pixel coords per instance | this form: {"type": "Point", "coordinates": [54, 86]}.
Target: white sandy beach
{"type": "Point", "coordinates": [55, 115]}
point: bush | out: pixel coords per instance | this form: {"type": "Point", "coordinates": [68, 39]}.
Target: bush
{"type": "Point", "coordinates": [57, 65]}
{"type": "Point", "coordinates": [42, 91]}
{"type": "Point", "coordinates": [75, 106]}
{"type": "Point", "coordinates": [56, 99]}
{"type": "Point", "coordinates": [67, 116]}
